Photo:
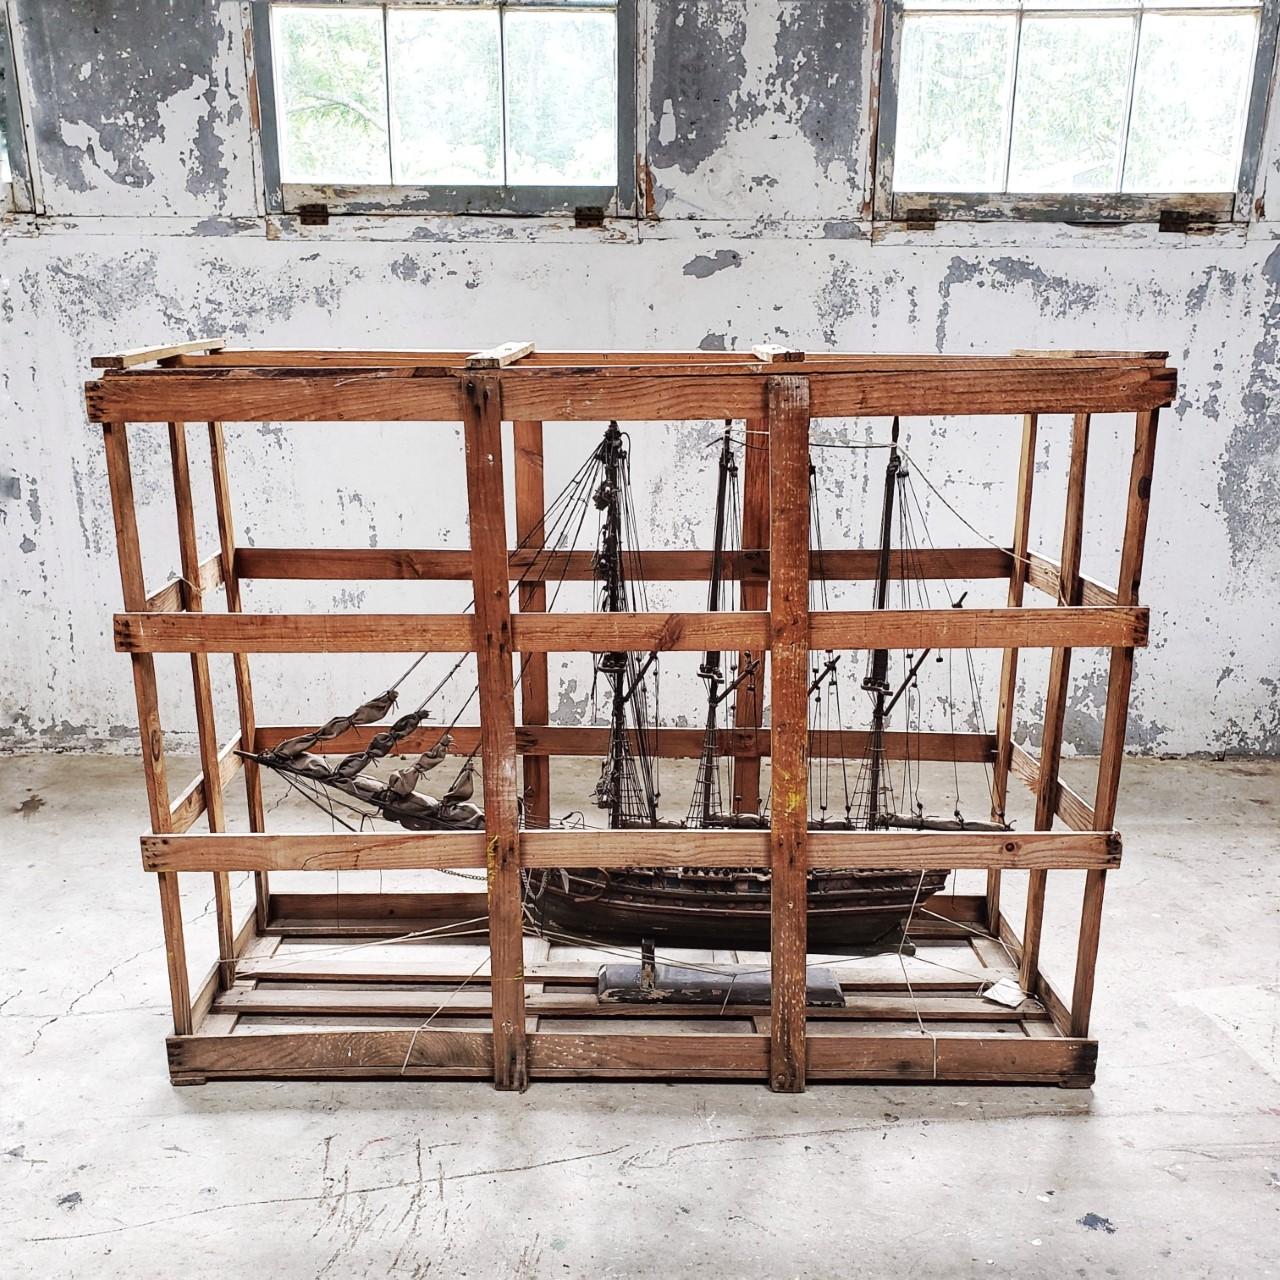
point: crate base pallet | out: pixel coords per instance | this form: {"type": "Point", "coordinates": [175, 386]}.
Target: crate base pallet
{"type": "Point", "coordinates": [327, 986]}
{"type": "Point", "coordinates": [377, 1014]}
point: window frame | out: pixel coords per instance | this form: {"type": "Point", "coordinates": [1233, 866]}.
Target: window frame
{"type": "Point", "coordinates": [520, 201]}
{"type": "Point", "coordinates": [1107, 208]}
{"type": "Point", "coordinates": [17, 195]}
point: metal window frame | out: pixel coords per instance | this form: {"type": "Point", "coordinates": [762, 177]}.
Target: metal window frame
{"type": "Point", "coordinates": [1100, 207]}
{"type": "Point", "coordinates": [17, 195]}
{"type": "Point", "coordinates": [499, 199]}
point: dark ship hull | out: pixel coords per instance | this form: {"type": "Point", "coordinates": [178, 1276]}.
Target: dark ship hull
{"type": "Point", "coordinates": [719, 907]}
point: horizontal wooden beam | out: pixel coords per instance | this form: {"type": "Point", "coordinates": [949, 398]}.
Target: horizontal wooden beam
{"type": "Point", "coordinates": [1073, 809]}
{"type": "Point", "coordinates": [429, 1053]}
{"type": "Point", "coordinates": [668, 744]}
{"type": "Point", "coordinates": [171, 598]}
{"type": "Point", "coordinates": [1046, 575]}
{"type": "Point", "coordinates": [317, 359]}
{"type": "Point", "coordinates": [369, 564]}
{"type": "Point", "coordinates": [1076, 628]}
{"type": "Point", "coordinates": [148, 355]}
{"type": "Point", "coordinates": [909, 850]}
{"type": "Point", "coordinates": [569, 395]}
{"type": "Point", "coordinates": [281, 1000]}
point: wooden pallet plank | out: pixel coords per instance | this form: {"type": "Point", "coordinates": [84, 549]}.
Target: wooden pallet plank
{"type": "Point", "coordinates": [788, 417]}
{"type": "Point", "coordinates": [202, 690]}
{"type": "Point", "coordinates": [225, 518]}
{"type": "Point", "coordinates": [487, 510]}
{"type": "Point", "coordinates": [667, 743]}
{"type": "Point", "coordinates": [912, 851]}
{"type": "Point", "coordinates": [1055, 707]}
{"type": "Point", "coordinates": [552, 395]}
{"type": "Point", "coordinates": [1116, 715]}
{"type": "Point", "coordinates": [149, 355]}
{"type": "Point", "coordinates": [1079, 627]}
{"type": "Point", "coordinates": [155, 768]}
{"type": "Point", "coordinates": [751, 566]}
{"type": "Point", "coordinates": [498, 357]}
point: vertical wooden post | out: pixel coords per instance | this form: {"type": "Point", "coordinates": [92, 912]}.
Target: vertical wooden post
{"type": "Point", "coordinates": [1055, 707]}
{"type": "Point", "coordinates": [788, 410]}
{"type": "Point", "coordinates": [1116, 715]}
{"type": "Point", "coordinates": [534, 705]}
{"type": "Point", "coordinates": [202, 687]}
{"type": "Point", "coordinates": [482, 397]}
{"type": "Point", "coordinates": [239, 661]}
{"type": "Point", "coordinates": [748, 699]}
{"type": "Point", "coordinates": [1009, 663]}
{"type": "Point", "coordinates": [134, 592]}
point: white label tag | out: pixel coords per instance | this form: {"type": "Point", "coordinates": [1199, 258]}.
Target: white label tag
{"type": "Point", "coordinates": [1006, 992]}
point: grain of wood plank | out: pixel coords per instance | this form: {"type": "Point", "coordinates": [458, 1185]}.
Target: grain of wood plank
{"type": "Point", "coordinates": [367, 564]}
{"type": "Point", "coordinates": [1055, 707]}
{"type": "Point", "coordinates": [742, 743]}
{"type": "Point", "coordinates": [487, 510]}
{"type": "Point", "coordinates": [1009, 659]}
{"type": "Point", "coordinates": [914, 851]}
{"type": "Point", "coordinates": [202, 690]}
{"type": "Point", "coordinates": [772, 353]}
{"type": "Point", "coordinates": [155, 770]}
{"type": "Point", "coordinates": [1081, 627]}
{"type": "Point", "coordinates": [553, 395]}
{"type": "Point", "coordinates": [498, 357]}
{"type": "Point", "coordinates": [788, 837]}
{"type": "Point", "coordinates": [224, 515]}
{"type": "Point", "coordinates": [1116, 714]}
{"type": "Point", "coordinates": [148, 355]}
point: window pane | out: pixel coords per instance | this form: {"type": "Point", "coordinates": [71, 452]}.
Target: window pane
{"type": "Point", "coordinates": [561, 98]}
{"type": "Point", "coordinates": [446, 103]}
{"type": "Point", "coordinates": [330, 94]}
{"type": "Point", "coordinates": [953, 99]}
{"type": "Point", "coordinates": [1189, 102]}
{"type": "Point", "coordinates": [1068, 117]}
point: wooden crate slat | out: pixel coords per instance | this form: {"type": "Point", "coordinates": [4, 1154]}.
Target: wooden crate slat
{"type": "Point", "coordinates": [1080, 627]}
{"type": "Point", "coordinates": [552, 395]}
{"type": "Point", "coordinates": [370, 564]}
{"type": "Point", "coordinates": [354, 851]}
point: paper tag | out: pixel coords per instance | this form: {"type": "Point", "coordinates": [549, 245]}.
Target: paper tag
{"type": "Point", "coordinates": [1006, 992]}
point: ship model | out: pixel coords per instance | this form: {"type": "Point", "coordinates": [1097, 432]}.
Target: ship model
{"type": "Point", "coordinates": [698, 907]}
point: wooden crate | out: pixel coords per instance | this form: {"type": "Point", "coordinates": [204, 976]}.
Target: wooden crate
{"type": "Point", "coordinates": [399, 1018]}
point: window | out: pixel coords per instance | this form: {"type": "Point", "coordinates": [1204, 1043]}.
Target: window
{"type": "Point", "coordinates": [1073, 108]}
{"type": "Point", "coordinates": [15, 185]}
{"type": "Point", "coordinates": [514, 106]}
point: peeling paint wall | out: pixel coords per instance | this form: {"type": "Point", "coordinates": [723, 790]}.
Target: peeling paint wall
{"type": "Point", "coordinates": [757, 142]}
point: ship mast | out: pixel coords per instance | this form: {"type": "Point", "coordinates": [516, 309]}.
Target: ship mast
{"type": "Point", "coordinates": [877, 680]}
{"type": "Point", "coordinates": [711, 670]}
{"type": "Point", "coordinates": [625, 677]}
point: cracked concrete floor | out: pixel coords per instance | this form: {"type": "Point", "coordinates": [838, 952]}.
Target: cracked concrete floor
{"type": "Point", "coordinates": [1169, 1167]}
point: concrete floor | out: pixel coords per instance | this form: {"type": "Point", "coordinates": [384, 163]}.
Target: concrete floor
{"type": "Point", "coordinates": [1169, 1167]}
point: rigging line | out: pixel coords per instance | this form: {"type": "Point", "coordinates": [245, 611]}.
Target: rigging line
{"type": "Point", "coordinates": [902, 964]}
{"type": "Point", "coordinates": [1009, 551]}
{"type": "Point", "coordinates": [453, 995]}
{"type": "Point", "coordinates": [572, 484]}
{"type": "Point", "coordinates": [444, 930]}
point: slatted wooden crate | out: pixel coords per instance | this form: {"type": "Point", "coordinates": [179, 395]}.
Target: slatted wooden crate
{"type": "Point", "coordinates": [401, 1017]}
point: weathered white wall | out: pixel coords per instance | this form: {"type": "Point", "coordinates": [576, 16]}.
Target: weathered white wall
{"type": "Point", "coordinates": [756, 142]}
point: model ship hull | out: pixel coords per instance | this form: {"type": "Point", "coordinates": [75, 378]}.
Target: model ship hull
{"type": "Point", "coordinates": [719, 907]}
